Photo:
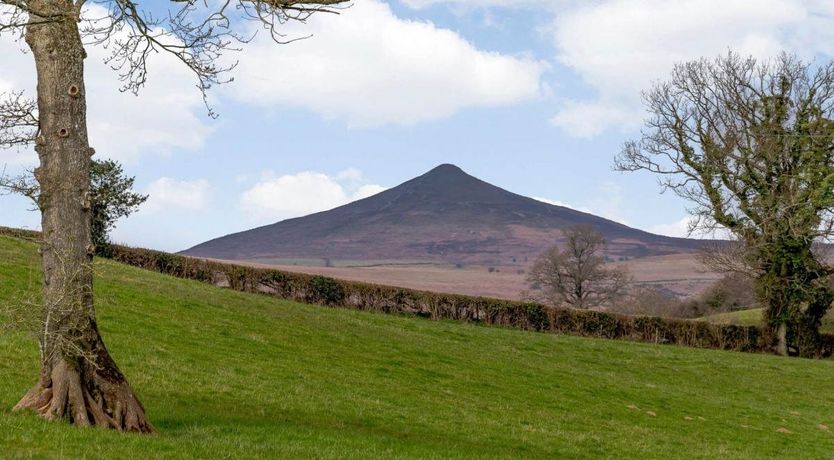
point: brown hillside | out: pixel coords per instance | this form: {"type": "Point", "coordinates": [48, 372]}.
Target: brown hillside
{"type": "Point", "coordinates": [443, 216]}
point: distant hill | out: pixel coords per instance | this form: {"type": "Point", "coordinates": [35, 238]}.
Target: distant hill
{"type": "Point", "coordinates": [445, 215]}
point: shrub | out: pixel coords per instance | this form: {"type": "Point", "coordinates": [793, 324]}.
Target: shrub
{"type": "Point", "coordinates": [326, 291]}
{"type": "Point", "coordinates": [522, 315]}
{"type": "Point", "coordinates": [386, 299]}
{"type": "Point", "coordinates": [654, 301]}
{"type": "Point", "coordinates": [733, 292]}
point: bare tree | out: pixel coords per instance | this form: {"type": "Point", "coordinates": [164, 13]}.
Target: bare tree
{"type": "Point", "coordinates": [648, 300]}
{"type": "Point", "coordinates": [79, 381]}
{"type": "Point", "coordinates": [751, 145]}
{"type": "Point", "coordinates": [576, 276]}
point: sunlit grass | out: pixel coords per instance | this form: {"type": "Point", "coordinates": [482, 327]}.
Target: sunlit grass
{"type": "Point", "coordinates": [232, 375]}
{"type": "Point", "coordinates": [753, 317]}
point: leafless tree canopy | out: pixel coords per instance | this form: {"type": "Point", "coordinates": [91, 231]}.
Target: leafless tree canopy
{"type": "Point", "coordinates": [748, 143]}
{"type": "Point", "coordinates": [576, 276]}
{"type": "Point", "coordinates": [197, 32]}
{"type": "Point", "coordinates": [21, 184]}
{"type": "Point", "coordinates": [18, 120]}
{"type": "Point", "coordinates": [751, 146]}
{"type": "Point", "coordinates": [79, 380]}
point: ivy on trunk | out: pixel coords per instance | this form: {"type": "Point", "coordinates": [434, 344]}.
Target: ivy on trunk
{"type": "Point", "coordinates": [751, 146]}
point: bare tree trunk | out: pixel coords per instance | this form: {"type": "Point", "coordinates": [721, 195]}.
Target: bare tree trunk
{"type": "Point", "coordinates": [774, 294]}
{"type": "Point", "coordinates": [79, 380]}
{"type": "Point", "coordinates": [797, 293]}
{"type": "Point", "coordinates": [782, 339]}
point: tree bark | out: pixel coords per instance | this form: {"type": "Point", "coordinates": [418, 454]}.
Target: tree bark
{"type": "Point", "coordinates": [797, 293]}
{"type": "Point", "coordinates": [79, 380]}
{"type": "Point", "coordinates": [782, 339]}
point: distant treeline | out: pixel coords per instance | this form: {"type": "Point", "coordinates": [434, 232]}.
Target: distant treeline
{"type": "Point", "coordinates": [322, 290]}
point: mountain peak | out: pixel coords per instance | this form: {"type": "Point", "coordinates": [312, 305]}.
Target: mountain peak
{"type": "Point", "coordinates": [447, 184]}
{"type": "Point", "coordinates": [443, 215]}
{"type": "Point", "coordinates": [446, 171]}
{"type": "Point", "coordinates": [446, 167]}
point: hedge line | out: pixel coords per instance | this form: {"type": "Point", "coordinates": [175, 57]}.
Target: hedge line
{"type": "Point", "coordinates": [322, 290]}
{"type": "Point", "coordinates": [20, 233]}
{"type": "Point", "coordinates": [386, 299]}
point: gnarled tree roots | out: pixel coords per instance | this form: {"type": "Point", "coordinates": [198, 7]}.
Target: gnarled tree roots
{"type": "Point", "coordinates": [92, 401]}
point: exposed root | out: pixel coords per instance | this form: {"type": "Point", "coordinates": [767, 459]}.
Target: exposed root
{"type": "Point", "coordinates": [93, 401]}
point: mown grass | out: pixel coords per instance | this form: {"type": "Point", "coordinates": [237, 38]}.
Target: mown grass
{"type": "Point", "coordinates": [231, 375]}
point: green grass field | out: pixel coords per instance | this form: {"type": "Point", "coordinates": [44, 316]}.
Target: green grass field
{"type": "Point", "coordinates": [753, 317]}
{"type": "Point", "coordinates": [232, 375]}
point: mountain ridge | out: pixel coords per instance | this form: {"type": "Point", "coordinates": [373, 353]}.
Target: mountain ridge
{"type": "Point", "coordinates": [444, 215]}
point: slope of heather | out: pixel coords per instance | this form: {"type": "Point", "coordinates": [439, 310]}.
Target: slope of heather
{"type": "Point", "coordinates": [444, 215]}
{"type": "Point", "coordinates": [231, 375]}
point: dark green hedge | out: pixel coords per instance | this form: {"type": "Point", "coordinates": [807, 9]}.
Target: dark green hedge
{"type": "Point", "coordinates": [387, 299]}
{"type": "Point", "coordinates": [394, 300]}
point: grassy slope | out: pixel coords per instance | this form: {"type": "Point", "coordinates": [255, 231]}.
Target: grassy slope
{"type": "Point", "coordinates": [742, 317]}
{"type": "Point", "coordinates": [232, 375]}
{"type": "Point", "coordinates": [753, 317]}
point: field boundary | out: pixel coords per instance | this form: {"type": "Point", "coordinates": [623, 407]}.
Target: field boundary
{"type": "Point", "coordinates": [321, 290]}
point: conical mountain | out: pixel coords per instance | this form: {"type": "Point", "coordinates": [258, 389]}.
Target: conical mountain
{"type": "Point", "coordinates": [445, 215]}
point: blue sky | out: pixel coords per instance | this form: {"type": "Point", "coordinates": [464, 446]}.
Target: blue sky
{"type": "Point", "coordinates": [535, 96]}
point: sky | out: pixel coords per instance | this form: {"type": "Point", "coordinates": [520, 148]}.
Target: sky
{"type": "Point", "coordinates": [535, 96]}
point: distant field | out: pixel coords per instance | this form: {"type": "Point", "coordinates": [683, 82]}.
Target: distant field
{"type": "Point", "coordinates": [680, 273]}
{"type": "Point", "coordinates": [344, 263]}
{"type": "Point", "coordinates": [230, 375]}
{"type": "Point", "coordinates": [754, 316]}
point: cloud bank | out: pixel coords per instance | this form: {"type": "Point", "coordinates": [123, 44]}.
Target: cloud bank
{"type": "Point", "coordinates": [619, 47]}
{"type": "Point", "coordinates": [168, 194]}
{"type": "Point", "coordinates": [275, 198]}
{"type": "Point", "coordinates": [370, 68]}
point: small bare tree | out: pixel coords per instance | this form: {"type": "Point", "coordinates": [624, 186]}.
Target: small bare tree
{"type": "Point", "coordinates": [79, 380]}
{"type": "Point", "coordinates": [576, 276]}
{"type": "Point", "coordinates": [751, 146]}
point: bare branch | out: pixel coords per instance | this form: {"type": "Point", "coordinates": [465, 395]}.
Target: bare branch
{"type": "Point", "coordinates": [576, 276]}
{"type": "Point", "coordinates": [751, 145]}
{"type": "Point", "coordinates": [23, 184]}
{"type": "Point", "coordinates": [16, 16]}
{"type": "Point", "coordinates": [18, 120]}
{"type": "Point", "coordinates": [195, 33]}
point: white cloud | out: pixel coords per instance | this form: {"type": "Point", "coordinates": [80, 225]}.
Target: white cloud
{"type": "Point", "coordinates": [368, 190]}
{"type": "Point", "coordinates": [167, 194]}
{"type": "Point", "coordinates": [168, 114]}
{"type": "Point", "coordinates": [293, 195]}
{"type": "Point", "coordinates": [587, 119]}
{"type": "Point", "coordinates": [618, 47]}
{"type": "Point", "coordinates": [350, 174]}
{"type": "Point", "coordinates": [678, 228]}
{"type": "Point", "coordinates": [681, 229]}
{"type": "Point", "coordinates": [560, 203]}
{"type": "Point", "coordinates": [607, 203]}
{"type": "Point", "coordinates": [371, 68]}
{"type": "Point", "coordinates": [471, 4]}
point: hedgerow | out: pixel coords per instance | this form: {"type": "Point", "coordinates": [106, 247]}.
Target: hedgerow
{"type": "Point", "coordinates": [322, 290]}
